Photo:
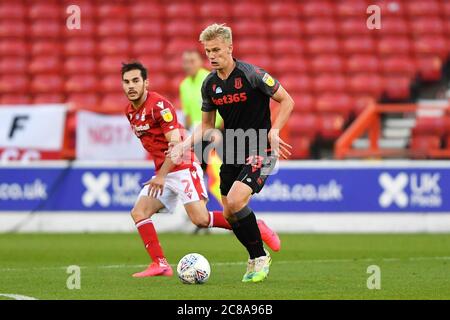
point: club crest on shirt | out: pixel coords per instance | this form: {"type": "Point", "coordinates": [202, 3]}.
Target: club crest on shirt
{"type": "Point", "coordinates": [238, 83]}
{"type": "Point", "coordinates": [268, 80]}
{"type": "Point", "coordinates": [143, 115]}
{"type": "Point", "coordinates": [167, 115]}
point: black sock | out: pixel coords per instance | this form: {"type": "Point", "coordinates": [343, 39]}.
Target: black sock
{"type": "Point", "coordinates": [247, 232]}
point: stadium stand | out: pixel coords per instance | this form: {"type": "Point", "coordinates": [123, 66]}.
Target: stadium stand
{"type": "Point", "coordinates": [321, 51]}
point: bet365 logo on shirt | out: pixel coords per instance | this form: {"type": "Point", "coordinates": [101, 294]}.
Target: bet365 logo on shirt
{"type": "Point", "coordinates": [230, 98]}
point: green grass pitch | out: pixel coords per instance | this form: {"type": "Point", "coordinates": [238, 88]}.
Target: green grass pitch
{"type": "Point", "coordinates": [309, 266]}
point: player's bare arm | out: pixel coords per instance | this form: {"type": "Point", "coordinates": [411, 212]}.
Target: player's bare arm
{"type": "Point", "coordinates": [177, 150]}
{"type": "Point", "coordinates": [286, 107]}
{"type": "Point", "coordinates": [156, 185]}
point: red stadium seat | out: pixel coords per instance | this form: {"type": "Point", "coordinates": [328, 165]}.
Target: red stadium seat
{"type": "Point", "coordinates": [354, 26]}
{"type": "Point", "coordinates": [363, 63]}
{"type": "Point", "coordinates": [83, 100]}
{"type": "Point", "coordinates": [394, 26]}
{"type": "Point", "coordinates": [320, 45]}
{"type": "Point", "coordinates": [110, 83]}
{"type": "Point", "coordinates": [296, 82]}
{"type": "Point", "coordinates": [113, 103]}
{"type": "Point", "coordinates": [146, 28]}
{"type": "Point", "coordinates": [13, 47]}
{"type": "Point", "coordinates": [338, 103]}
{"type": "Point", "coordinates": [399, 65]}
{"type": "Point", "coordinates": [301, 149]}
{"type": "Point", "coordinates": [48, 98]}
{"type": "Point", "coordinates": [114, 46]}
{"type": "Point", "coordinates": [112, 28]}
{"type": "Point", "coordinates": [80, 47]}
{"type": "Point", "coordinates": [209, 10]}
{"type": "Point", "coordinates": [142, 46]}
{"type": "Point", "coordinates": [47, 83]}
{"type": "Point", "coordinates": [427, 26]}
{"type": "Point", "coordinates": [303, 124]}
{"type": "Point", "coordinates": [352, 8]}
{"type": "Point", "coordinates": [290, 63]}
{"type": "Point", "coordinates": [111, 64]}
{"type": "Point", "coordinates": [154, 63]}
{"type": "Point", "coordinates": [14, 83]}
{"type": "Point", "coordinates": [13, 28]}
{"type": "Point", "coordinates": [285, 28]}
{"type": "Point", "coordinates": [394, 45]}
{"type": "Point", "coordinates": [358, 45]}
{"type": "Point", "coordinates": [248, 28]}
{"type": "Point", "coordinates": [88, 28]}
{"type": "Point", "coordinates": [282, 10]}
{"type": "Point", "coordinates": [12, 10]}
{"type": "Point", "coordinates": [365, 83]}
{"type": "Point", "coordinates": [47, 10]}
{"type": "Point", "coordinates": [79, 65]}
{"type": "Point", "coordinates": [45, 64]}
{"type": "Point", "coordinates": [46, 29]}
{"type": "Point", "coordinates": [430, 126]}
{"type": "Point", "coordinates": [397, 87]}
{"type": "Point", "coordinates": [421, 145]}
{"type": "Point", "coordinates": [446, 8]}
{"type": "Point", "coordinates": [245, 10]}
{"type": "Point", "coordinates": [88, 9]}
{"type": "Point", "coordinates": [327, 63]}
{"type": "Point", "coordinates": [181, 28]}
{"type": "Point", "coordinates": [176, 10]}
{"type": "Point", "coordinates": [178, 45]}
{"type": "Point", "coordinates": [14, 98]}
{"type": "Point", "coordinates": [147, 10]}
{"type": "Point", "coordinates": [316, 9]}
{"type": "Point", "coordinates": [249, 46]}
{"type": "Point", "coordinates": [429, 68]}
{"type": "Point", "coordinates": [304, 102]}
{"type": "Point", "coordinates": [287, 46]}
{"type": "Point", "coordinates": [159, 82]}
{"type": "Point", "coordinates": [13, 65]}
{"type": "Point", "coordinates": [431, 45]}
{"type": "Point", "coordinates": [82, 83]}
{"type": "Point", "coordinates": [111, 10]}
{"type": "Point", "coordinates": [44, 47]}
{"type": "Point", "coordinates": [331, 126]}
{"type": "Point", "coordinates": [330, 83]}
{"type": "Point", "coordinates": [320, 26]}
{"type": "Point", "coordinates": [391, 8]}
{"type": "Point", "coordinates": [421, 8]}
{"type": "Point", "coordinates": [361, 102]}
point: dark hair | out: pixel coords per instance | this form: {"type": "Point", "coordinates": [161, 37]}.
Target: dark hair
{"type": "Point", "coordinates": [134, 65]}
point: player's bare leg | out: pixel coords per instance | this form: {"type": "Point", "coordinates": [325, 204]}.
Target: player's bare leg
{"type": "Point", "coordinates": [142, 212]}
{"type": "Point", "coordinates": [245, 227]}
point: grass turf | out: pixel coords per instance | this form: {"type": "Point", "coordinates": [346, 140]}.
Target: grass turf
{"type": "Point", "coordinates": [309, 266]}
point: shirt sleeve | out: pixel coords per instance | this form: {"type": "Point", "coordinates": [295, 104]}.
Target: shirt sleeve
{"type": "Point", "coordinates": [164, 113]}
{"type": "Point", "coordinates": [261, 79]}
{"type": "Point", "coordinates": [207, 104]}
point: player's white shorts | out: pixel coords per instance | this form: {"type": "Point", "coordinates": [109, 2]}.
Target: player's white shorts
{"type": "Point", "coordinates": [186, 185]}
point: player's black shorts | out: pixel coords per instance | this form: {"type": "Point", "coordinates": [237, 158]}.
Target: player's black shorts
{"type": "Point", "coordinates": [254, 173]}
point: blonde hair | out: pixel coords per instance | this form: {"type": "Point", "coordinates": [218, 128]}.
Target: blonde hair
{"type": "Point", "coordinates": [215, 31]}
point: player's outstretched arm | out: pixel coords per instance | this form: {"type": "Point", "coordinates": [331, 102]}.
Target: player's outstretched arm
{"type": "Point", "coordinates": [177, 150]}
{"type": "Point", "coordinates": [281, 148]}
{"type": "Point", "coordinates": [156, 185]}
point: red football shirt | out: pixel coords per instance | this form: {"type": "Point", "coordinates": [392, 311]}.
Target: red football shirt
{"type": "Point", "coordinates": [150, 122]}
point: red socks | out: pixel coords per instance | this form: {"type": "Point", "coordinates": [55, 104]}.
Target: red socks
{"type": "Point", "coordinates": [150, 239]}
{"type": "Point", "coordinates": [216, 220]}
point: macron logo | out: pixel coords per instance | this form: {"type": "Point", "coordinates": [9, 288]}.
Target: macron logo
{"type": "Point", "coordinates": [393, 190]}
{"type": "Point", "coordinates": [96, 189]}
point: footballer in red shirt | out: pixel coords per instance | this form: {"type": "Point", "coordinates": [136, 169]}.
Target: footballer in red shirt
{"type": "Point", "coordinates": [154, 121]}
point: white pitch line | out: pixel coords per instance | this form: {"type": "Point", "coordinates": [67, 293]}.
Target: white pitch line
{"type": "Point", "coordinates": [16, 296]}
{"type": "Point", "coordinates": [123, 266]}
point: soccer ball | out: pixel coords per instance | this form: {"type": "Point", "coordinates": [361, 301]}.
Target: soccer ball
{"type": "Point", "coordinates": [193, 268]}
